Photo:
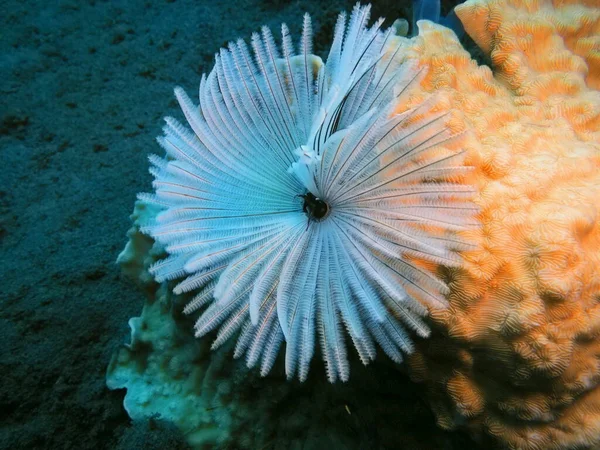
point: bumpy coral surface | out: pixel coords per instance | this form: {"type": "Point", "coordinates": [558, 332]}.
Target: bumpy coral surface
{"type": "Point", "coordinates": [517, 353]}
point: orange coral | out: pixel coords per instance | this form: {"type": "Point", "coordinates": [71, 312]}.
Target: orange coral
{"type": "Point", "coordinates": [517, 354]}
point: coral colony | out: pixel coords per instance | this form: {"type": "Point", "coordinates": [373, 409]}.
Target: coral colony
{"type": "Point", "coordinates": [297, 203]}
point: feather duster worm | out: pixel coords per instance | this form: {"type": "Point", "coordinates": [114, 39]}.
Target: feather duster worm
{"type": "Point", "coordinates": [298, 202]}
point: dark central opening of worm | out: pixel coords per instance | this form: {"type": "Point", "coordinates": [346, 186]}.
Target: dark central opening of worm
{"type": "Point", "coordinates": [314, 207]}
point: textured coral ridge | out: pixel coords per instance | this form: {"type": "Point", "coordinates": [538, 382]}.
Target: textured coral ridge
{"type": "Point", "coordinates": [517, 353]}
{"type": "Point", "coordinates": [296, 204]}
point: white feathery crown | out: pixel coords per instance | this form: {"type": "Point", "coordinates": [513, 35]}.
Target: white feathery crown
{"type": "Point", "coordinates": [298, 203]}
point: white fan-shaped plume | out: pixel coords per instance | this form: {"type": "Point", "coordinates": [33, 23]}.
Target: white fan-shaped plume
{"type": "Point", "coordinates": [298, 203]}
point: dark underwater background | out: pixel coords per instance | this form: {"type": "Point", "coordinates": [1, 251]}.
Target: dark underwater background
{"type": "Point", "coordinates": [84, 86]}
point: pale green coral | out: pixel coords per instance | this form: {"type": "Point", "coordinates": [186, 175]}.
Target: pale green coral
{"type": "Point", "coordinates": [159, 367]}
{"type": "Point", "coordinates": [159, 371]}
